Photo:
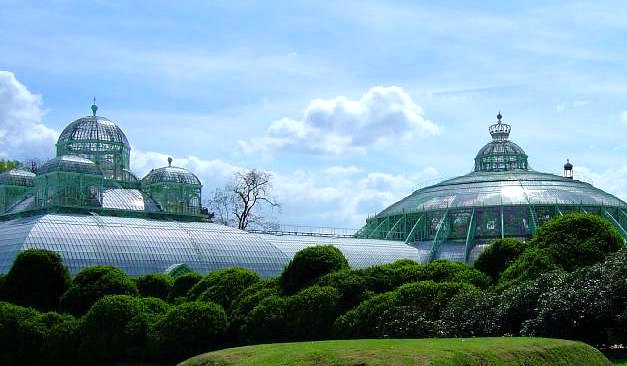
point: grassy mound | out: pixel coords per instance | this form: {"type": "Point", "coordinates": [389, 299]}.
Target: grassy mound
{"type": "Point", "coordinates": [440, 352]}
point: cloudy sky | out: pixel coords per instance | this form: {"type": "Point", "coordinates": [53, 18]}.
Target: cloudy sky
{"type": "Point", "coordinates": [351, 105]}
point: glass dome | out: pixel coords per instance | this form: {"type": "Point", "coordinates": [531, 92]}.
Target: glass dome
{"type": "Point", "coordinates": [171, 174]}
{"type": "Point", "coordinates": [100, 140]}
{"type": "Point", "coordinates": [502, 197]}
{"type": "Point", "coordinates": [176, 190]}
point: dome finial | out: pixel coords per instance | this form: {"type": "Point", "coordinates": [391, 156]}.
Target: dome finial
{"type": "Point", "coordinates": [169, 161]}
{"type": "Point", "coordinates": [499, 130]}
{"type": "Point", "coordinates": [94, 107]}
{"type": "Point", "coordinates": [499, 116]}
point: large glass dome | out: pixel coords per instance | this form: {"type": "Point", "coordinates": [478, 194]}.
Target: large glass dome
{"type": "Point", "coordinates": [502, 197]}
{"type": "Point", "coordinates": [100, 140]}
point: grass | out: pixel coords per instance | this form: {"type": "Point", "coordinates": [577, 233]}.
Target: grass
{"type": "Point", "coordinates": [400, 352]}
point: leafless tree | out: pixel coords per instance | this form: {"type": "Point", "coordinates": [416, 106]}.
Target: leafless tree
{"type": "Point", "coordinates": [238, 202]}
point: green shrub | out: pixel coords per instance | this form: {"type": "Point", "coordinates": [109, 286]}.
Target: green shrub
{"type": "Point", "coordinates": [182, 284]}
{"type": "Point", "coordinates": [577, 240]}
{"type": "Point", "coordinates": [498, 256]}
{"type": "Point", "coordinates": [38, 278]}
{"type": "Point", "coordinates": [470, 314]}
{"type": "Point", "coordinates": [362, 321]}
{"type": "Point", "coordinates": [405, 322]}
{"type": "Point", "coordinates": [266, 322]}
{"type": "Point", "coordinates": [311, 313]}
{"type": "Point", "coordinates": [23, 332]}
{"type": "Point", "coordinates": [154, 285]}
{"type": "Point", "coordinates": [224, 286]}
{"type": "Point", "coordinates": [247, 301]}
{"type": "Point", "coordinates": [93, 283]}
{"type": "Point", "coordinates": [62, 342]}
{"type": "Point", "coordinates": [155, 308]}
{"type": "Point", "coordinates": [531, 264]}
{"type": "Point", "coordinates": [428, 296]}
{"type": "Point", "coordinates": [310, 264]}
{"type": "Point", "coordinates": [353, 286]}
{"type": "Point", "coordinates": [114, 330]}
{"type": "Point", "coordinates": [189, 329]}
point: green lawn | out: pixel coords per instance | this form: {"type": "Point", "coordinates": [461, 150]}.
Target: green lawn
{"type": "Point", "coordinates": [397, 352]}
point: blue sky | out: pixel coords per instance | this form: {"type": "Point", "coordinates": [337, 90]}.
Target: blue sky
{"type": "Point", "coordinates": [351, 105]}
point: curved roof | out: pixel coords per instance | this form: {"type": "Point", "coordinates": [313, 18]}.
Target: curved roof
{"type": "Point", "coordinates": [141, 246]}
{"type": "Point", "coordinates": [17, 177]}
{"type": "Point", "coordinates": [93, 128]}
{"type": "Point", "coordinates": [171, 174]}
{"type": "Point", "coordinates": [70, 163]}
{"type": "Point", "coordinates": [503, 188]}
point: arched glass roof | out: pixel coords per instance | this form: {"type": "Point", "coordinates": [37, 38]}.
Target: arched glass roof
{"type": "Point", "coordinates": [141, 246]}
{"type": "Point", "coordinates": [70, 163]}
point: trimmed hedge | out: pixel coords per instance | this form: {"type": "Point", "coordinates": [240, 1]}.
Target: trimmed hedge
{"type": "Point", "coordinates": [310, 264]}
{"type": "Point", "coordinates": [224, 286]}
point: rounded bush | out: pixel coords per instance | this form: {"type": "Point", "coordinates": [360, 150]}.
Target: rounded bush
{"type": "Point", "coordinates": [182, 284]}
{"type": "Point", "coordinates": [353, 286]}
{"type": "Point", "coordinates": [223, 286]}
{"type": "Point", "coordinates": [470, 314]}
{"type": "Point", "coordinates": [577, 240]}
{"type": "Point", "coordinates": [498, 256]}
{"type": "Point", "coordinates": [154, 285]}
{"type": "Point", "coordinates": [62, 342]}
{"type": "Point", "coordinates": [428, 296]}
{"type": "Point", "coordinates": [267, 322]}
{"type": "Point", "coordinates": [189, 329]}
{"type": "Point", "coordinates": [93, 283]}
{"type": "Point", "coordinates": [309, 264]}
{"type": "Point", "coordinates": [311, 313]}
{"type": "Point", "coordinates": [247, 301]}
{"type": "Point", "coordinates": [405, 322]}
{"type": "Point", "coordinates": [155, 308]}
{"type": "Point", "coordinates": [38, 278]}
{"type": "Point", "coordinates": [531, 264]}
{"type": "Point", "coordinates": [114, 330]}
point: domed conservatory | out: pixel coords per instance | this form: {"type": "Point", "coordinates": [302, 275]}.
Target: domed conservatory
{"type": "Point", "coordinates": [88, 206]}
{"type": "Point", "coordinates": [502, 197]}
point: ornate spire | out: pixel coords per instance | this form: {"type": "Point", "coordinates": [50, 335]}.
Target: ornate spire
{"type": "Point", "coordinates": [94, 107]}
{"type": "Point", "coordinates": [499, 130]}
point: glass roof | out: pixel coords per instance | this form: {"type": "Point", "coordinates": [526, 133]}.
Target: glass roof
{"type": "Point", "coordinates": [128, 199]}
{"type": "Point", "coordinates": [171, 174]}
{"type": "Point", "coordinates": [70, 163]}
{"type": "Point", "coordinates": [516, 187]}
{"type": "Point", "coordinates": [93, 128]}
{"type": "Point", "coordinates": [17, 177]}
{"type": "Point", "coordinates": [140, 246]}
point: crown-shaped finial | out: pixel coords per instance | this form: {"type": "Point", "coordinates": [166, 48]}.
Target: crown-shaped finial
{"type": "Point", "coordinates": [500, 130]}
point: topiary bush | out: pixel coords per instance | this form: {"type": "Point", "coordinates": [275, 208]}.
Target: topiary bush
{"type": "Point", "coordinates": [182, 284]}
{"type": "Point", "coordinates": [529, 266]}
{"type": "Point", "coordinates": [62, 342]}
{"type": "Point", "coordinates": [405, 322]}
{"type": "Point", "coordinates": [266, 322]}
{"type": "Point", "coordinates": [154, 285]}
{"type": "Point", "coordinates": [362, 321]}
{"type": "Point", "coordinates": [224, 286]}
{"type": "Point", "coordinates": [310, 264]}
{"type": "Point", "coordinates": [498, 256]}
{"type": "Point", "coordinates": [247, 301]}
{"type": "Point", "coordinates": [470, 314]}
{"type": "Point", "coordinates": [189, 329]}
{"type": "Point", "coordinates": [93, 283]}
{"type": "Point", "coordinates": [38, 278]}
{"type": "Point", "coordinates": [353, 286]}
{"type": "Point", "coordinates": [115, 329]}
{"type": "Point", "coordinates": [311, 313]}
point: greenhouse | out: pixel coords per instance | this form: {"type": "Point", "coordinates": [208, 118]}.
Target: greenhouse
{"type": "Point", "coordinates": [86, 205]}
{"type": "Point", "coordinates": [502, 197]}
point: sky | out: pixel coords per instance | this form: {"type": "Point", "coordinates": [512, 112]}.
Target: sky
{"type": "Point", "coordinates": [350, 105]}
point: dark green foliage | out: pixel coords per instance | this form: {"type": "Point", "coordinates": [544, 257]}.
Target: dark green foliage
{"type": "Point", "coordinates": [182, 284]}
{"type": "Point", "coordinates": [37, 279]}
{"type": "Point", "coordinates": [247, 301]}
{"type": "Point", "coordinates": [498, 256]}
{"type": "Point", "coordinates": [93, 283]}
{"type": "Point", "coordinates": [353, 286]}
{"type": "Point", "coordinates": [62, 342]}
{"type": "Point", "coordinates": [470, 314]}
{"type": "Point", "coordinates": [531, 264]}
{"type": "Point", "coordinates": [311, 313]}
{"type": "Point", "coordinates": [6, 165]}
{"type": "Point", "coordinates": [362, 321]}
{"type": "Point", "coordinates": [428, 296]}
{"type": "Point", "coordinates": [155, 308]}
{"type": "Point", "coordinates": [310, 264]}
{"type": "Point", "coordinates": [405, 322]}
{"type": "Point", "coordinates": [189, 329]}
{"type": "Point", "coordinates": [114, 330]}
{"type": "Point", "coordinates": [577, 240]}
{"type": "Point", "coordinates": [224, 286]}
{"type": "Point", "coordinates": [266, 322]}
{"type": "Point", "coordinates": [154, 285]}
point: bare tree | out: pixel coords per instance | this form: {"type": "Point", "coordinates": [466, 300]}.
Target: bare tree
{"type": "Point", "coordinates": [238, 202]}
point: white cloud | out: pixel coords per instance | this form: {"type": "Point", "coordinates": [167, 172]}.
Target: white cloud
{"type": "Point", "coordinates": [623, 117]}
{"type": "Point", "coordinates": [338, 125]}
{"type": "Point", "coordinates": [22, 133]}
{"type": "Point", "coordinates": [342, 170]}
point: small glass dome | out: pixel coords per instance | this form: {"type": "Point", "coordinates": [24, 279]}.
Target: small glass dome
{"type": "Point", "coordinates": [171, 174]}
{"type": "Point", "coordinates": [500, 154]}
{"type": "Point", "coordinates": [17, 177]}
{"type": "Point", "coordinates": [93, 128]}
{"type": "Point", "coordinates": [70, 163]}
